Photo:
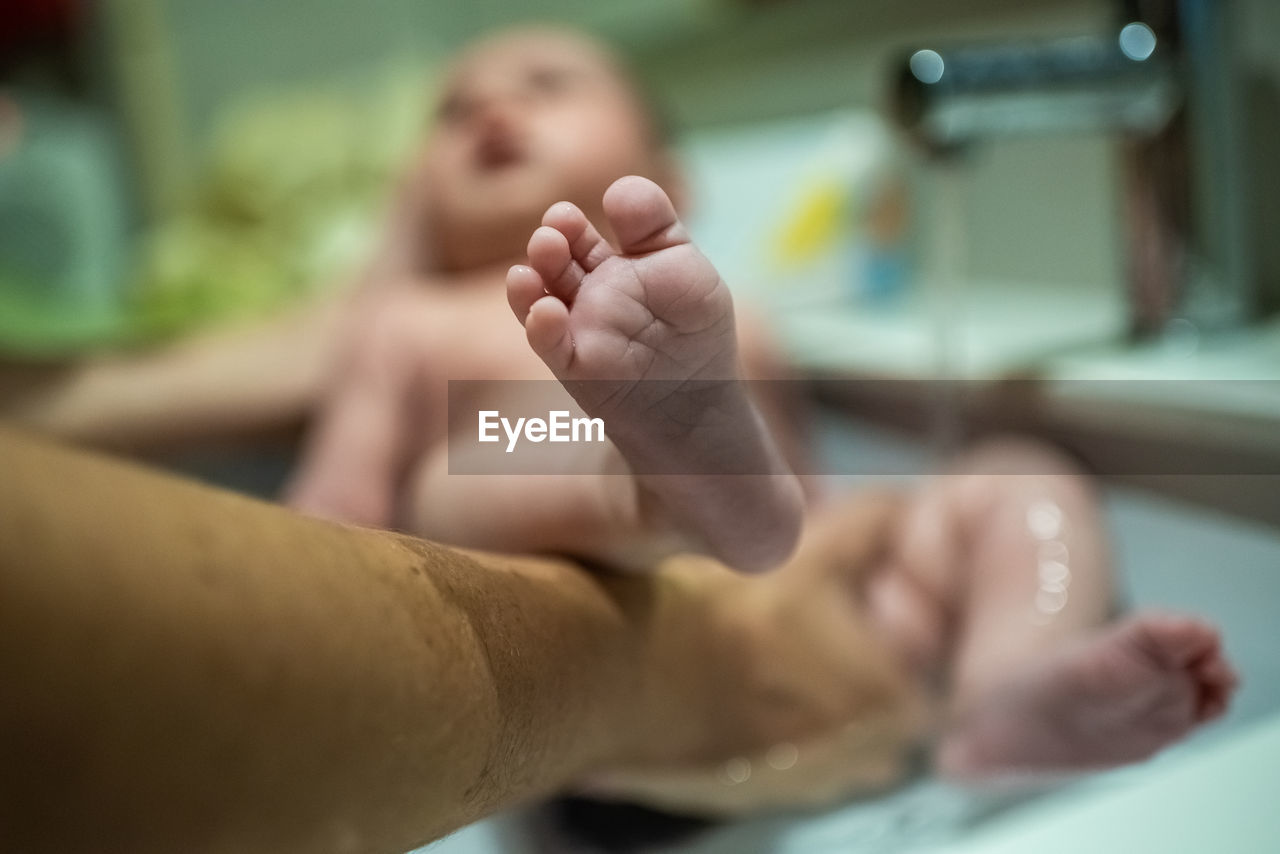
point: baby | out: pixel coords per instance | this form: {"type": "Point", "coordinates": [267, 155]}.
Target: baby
{"type": "Point", "coordinates": [642, 334]}
{"type": "Point", "coordinates": [540, 192]}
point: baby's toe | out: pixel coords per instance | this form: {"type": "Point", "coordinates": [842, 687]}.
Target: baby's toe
{"type": "Point", "coordinates": [547, 329]}
{"type": "Point", "coordinates": [1216, 681]}
{"type": "Point", "coordinates": [524, 288]}
{"type": "Point", "coordinates": [586, 245]}
{"type": "Point", "coordinates": [642, 216]}
{"type": "Point", "coordinates": [550, 256]}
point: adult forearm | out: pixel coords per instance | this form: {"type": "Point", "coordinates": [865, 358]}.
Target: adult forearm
{"type": "Point", "coordinates": [185, 669]}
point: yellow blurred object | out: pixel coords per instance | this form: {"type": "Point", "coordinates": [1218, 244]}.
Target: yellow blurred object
{"type": "Point", "coordinates": [842, 226]}
{"type": "Point", "coordinates": [816, 224]}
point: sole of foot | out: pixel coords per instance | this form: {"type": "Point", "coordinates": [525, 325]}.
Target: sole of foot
{"type": "Point", "coordinates": [642, 335]}
{"type": "Point", "coordinates": [1118, 696]}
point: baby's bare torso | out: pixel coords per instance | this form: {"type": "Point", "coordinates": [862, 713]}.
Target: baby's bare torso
{"type": "Point", "coordinates": [438, 330]}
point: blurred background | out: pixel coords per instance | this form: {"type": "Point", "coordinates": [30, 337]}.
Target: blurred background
{"type": "Point", "coordinates": [140, 134]}
{"type": "Point", "coordinates": [170, 164]}
{"type": "Point", "coordinates": [1083, 207]}
{"type": "Point", "coordinates": [963, 217]}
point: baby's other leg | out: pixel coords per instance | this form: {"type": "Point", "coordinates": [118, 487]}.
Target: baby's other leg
{"type": "Point", "coordinates": [1012, 541]}
{"type": "Point", "coordinates": [386, 403]}
{"type": "Point", "coordinates": [1011, 545]}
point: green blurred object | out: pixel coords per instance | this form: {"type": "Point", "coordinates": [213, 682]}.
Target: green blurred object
{"type": "Point", "coordinates": [63, 229]}
{"type": "Point", "coordinates": [286, 207]}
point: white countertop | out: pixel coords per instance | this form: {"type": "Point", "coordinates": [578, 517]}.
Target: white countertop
{"type": "Point", "coordinates": [1071, 337]}
{"type": "Point", "coordinates": [975, 330]}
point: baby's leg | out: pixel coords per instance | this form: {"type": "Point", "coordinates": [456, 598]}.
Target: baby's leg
{"type": "Point", "coordinates": [778, 394]}
{"type": "Point", "coordinates": [968, 540]}
{"type": "Point", "coordinates": [643, 337]}
{"type": "Point", "coordinates": [1003, 562]}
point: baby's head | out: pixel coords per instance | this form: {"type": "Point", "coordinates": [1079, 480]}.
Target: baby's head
{"type": "Point", "coordinates": [529, 117]}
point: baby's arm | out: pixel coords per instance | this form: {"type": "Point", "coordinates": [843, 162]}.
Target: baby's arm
{"type": "Point", "coordinates": [227, 383]}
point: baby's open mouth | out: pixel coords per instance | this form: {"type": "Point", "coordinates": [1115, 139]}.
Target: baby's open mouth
{"type": "Point", "coordinates": [498, 152]}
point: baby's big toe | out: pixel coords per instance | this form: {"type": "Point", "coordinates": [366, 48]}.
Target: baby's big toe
{"type": "Point", "coordinates": [642, 216]}
{"type": "Point", "coordinates": [1216, 680]}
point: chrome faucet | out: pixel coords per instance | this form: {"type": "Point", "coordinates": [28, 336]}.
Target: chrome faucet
{"type": "Point", "coordinates": [1161, 81]}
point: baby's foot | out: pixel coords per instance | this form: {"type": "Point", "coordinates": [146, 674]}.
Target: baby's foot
{"type": "Point", "coordinates": [1118, 697]}
{"type": "Point", "coordinates": [643, 337]}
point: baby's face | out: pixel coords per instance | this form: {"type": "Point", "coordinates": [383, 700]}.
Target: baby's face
{"type": "Point", "coordinates": [526, 119]}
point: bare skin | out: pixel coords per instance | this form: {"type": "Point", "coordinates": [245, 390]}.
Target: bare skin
{"type": "Point", "coordinates": [191, 670]}
{"type": "Point", "coordinates": [225, 385]}
{"type": "Point", "coordinates": [1002, 590]}
{"type": "Point", "coordinates": [643, 337]}
{"type": "Point", "coordinates": [231, 385]}
{"type": "Point", "coordinates": [524, 115]}
{"type": "Point", "coordinates": [526, 118]}
{"type": "Point", "coordinates": [1117, 695]}
{"type": "Point", "coordinates": [953, 603]}
{"type": "Point", "coordinates": [955, 600]}
{"type": "Point", "coordinates": [1004, 691]}
{"type": "Point", "coordinates": [289, 681]}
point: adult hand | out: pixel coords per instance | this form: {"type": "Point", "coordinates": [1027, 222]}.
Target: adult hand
{"type": "Point", "coordinates": [810, 704]}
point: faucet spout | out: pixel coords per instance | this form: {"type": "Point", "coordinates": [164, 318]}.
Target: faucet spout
{"type": "Point", "coordinates": [1156, 83]}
